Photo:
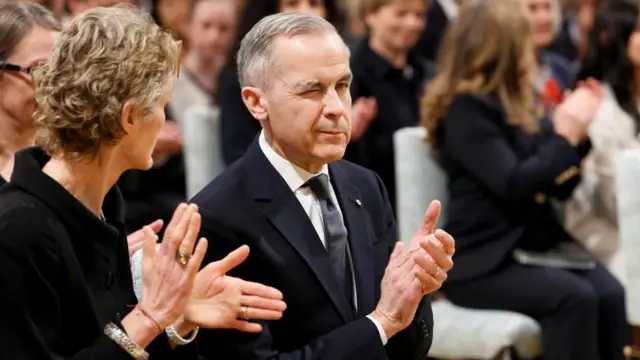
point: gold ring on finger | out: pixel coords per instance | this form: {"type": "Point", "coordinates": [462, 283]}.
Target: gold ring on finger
{"type": "Point", "coordinates": [437, 273]}
{"type": "Point", "coordinates": [183, 258]}
{"type": "Point", "coordinates": [243, 313]}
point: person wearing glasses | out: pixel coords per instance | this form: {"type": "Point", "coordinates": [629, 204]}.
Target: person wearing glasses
{"type": "Point", "coordinates": [26, 37]}
{"type": "Point", "coordinates": [27, 33]}
{"type": "Point", "coordinates": [65, 277]}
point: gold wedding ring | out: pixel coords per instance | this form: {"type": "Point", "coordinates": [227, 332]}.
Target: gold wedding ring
{"type": "Point", "coordinates": [243, 313]}
{"type": "Point", "coordinates": [183, 258]}
{"type": "Point", "coordinates": [437, 273]}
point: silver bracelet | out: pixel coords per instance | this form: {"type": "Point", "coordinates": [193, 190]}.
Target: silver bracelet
{"type": "Point", "coordinates": [120, 337]}
{"type": "Point", "coordinates": [179, 340]}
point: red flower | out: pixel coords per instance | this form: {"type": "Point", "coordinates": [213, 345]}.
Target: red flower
{"type": "Point", "coordinates": [551, 94]}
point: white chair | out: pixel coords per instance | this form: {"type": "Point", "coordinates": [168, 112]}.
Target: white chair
{"type": "Point", "coordinates": [202, 149]}
{"type": "Point", "coordinates": [627, 174]}
{"type": "Point", "coordinates": [459, 333]}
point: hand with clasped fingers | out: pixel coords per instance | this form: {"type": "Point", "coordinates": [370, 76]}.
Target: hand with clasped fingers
{"type": "Point", "coordinates": [414, 272]}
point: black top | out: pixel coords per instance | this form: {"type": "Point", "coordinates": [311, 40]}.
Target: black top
{"type": "Point", "coordinates": [500, 181]}
{"type": "Point", "coordinates": [2, 181]}
{"type": "Point", "coordinates": [64, 273]}
{"type": "Point", "coordinates": [397, 93]}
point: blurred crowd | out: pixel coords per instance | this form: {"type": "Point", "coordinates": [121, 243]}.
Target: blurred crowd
{"type": "Point", "coordinates": [527, 102]}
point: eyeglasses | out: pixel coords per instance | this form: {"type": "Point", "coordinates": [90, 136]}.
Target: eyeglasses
{"type": "Point", "coordinates": [5, 66]}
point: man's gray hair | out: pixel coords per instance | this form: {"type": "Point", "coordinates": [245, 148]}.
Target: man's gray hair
{"type": "Point", "coordinates": [256, 49]}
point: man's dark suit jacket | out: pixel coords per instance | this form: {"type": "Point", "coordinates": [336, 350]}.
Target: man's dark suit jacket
{"type": "Point", "coordinates": [251, 204]}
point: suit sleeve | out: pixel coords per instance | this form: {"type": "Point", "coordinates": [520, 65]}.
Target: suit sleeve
{"type": "Point", "coordinates": [32, 316]}
{"type": "Point", "coordinates": [238, 128]}
{"type": "Point", "coordinates": [414, 342]}
{"type": "Point", "coordinates": [357, 340]}
{"type": "Point", "coordinates": [474, 138]}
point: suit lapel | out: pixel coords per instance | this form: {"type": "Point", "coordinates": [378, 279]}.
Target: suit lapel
{"type": "Point", "coordinates": [360, 240]}
{"type": "Point", "coordinates": [284, 212]}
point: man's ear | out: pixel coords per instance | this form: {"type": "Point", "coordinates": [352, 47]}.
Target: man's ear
{"type": "Point", "coordinates": [255, 101]}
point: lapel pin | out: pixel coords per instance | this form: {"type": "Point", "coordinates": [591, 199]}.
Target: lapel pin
{"type": "Point", "coordinates": [358, 202]}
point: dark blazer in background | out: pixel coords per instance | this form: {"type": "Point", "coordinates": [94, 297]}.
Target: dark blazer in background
{"type": "Point", "coordinates": [563, 44]}
{"type": "Point", "coordinates": [250, 203]}
{"type": "Point", "coordinates": [500, 181]}
{"type": "Point", "coordinates": [238, 128]}
{"type": "Point", "coordinates": [561, 69]}
{"type": "Point", "coordinates": [64, 273]}
{"type": "Point", "coordinates": [434, 31]}
{"type": "Point", "coordinates": [397, 94]}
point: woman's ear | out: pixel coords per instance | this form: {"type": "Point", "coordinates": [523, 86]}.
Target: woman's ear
{"type": "Point", "coordinates": [127, 117]}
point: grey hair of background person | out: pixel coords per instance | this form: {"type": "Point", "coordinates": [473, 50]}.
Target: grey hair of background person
{"type": "Point", "coordinates": [16, 21]}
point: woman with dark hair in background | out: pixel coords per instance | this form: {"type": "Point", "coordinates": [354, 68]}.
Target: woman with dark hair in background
{"type": "Point", "coordinates": [238, 128]}
{"type": "Point", "coordinates": [613, 57]}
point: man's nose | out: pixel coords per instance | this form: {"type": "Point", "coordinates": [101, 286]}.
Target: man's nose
{"type": "Point", "coordinates": [333, 105]}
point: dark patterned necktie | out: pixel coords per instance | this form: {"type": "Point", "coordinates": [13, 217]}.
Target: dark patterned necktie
{"type": "Point", "coordinates": [335, 233]}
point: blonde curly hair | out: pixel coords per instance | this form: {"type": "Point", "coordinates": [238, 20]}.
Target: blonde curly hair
{"type": "Point", "coordinates": [486, 50]}
{"type": "Point", "coordinates": [104, 59]}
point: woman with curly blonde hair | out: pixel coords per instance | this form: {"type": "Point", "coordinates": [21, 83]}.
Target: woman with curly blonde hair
{"type": "Point", "coordinates": [504, 162]}
{"type": "Point", "coordinates": [66, 280]}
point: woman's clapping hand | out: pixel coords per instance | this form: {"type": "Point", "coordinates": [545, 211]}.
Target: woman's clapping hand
{"type": "Point", "coordinates": [168, 275]}
{"type": "Point", "coordinates": [222, 301]}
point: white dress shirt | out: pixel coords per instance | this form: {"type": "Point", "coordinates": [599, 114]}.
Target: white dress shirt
{"type": "Point", "coordinates": [296, 177]}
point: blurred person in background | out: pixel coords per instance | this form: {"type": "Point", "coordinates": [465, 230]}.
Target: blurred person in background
{"type": "Point", "coordinates": [27, 34]}
{"type": "Point", "coordinates": [74, 8]}
{"type": "Point", "coordinates": [172, 15]}
{"type": "Point", "coordinates": [388, 81]}
{"type": "Point", "coordinates": [63, 259]}
{"type": "Point", "coordinates": [209, 29]}
{"type": "Point", "coordinates": [613, 57]}
{"type": "Point", "coordinates": [554, 75]}
{"type": "Point", "coordinates": [238, 128]}
{"type": "Point", "coordinates": [572, 40]}
{"type": "Point", "coordinates": [504, 162]}
{"type": "Point", "coordinates": [439, 15]}
{"type": "Point", "coordinates": [55, 6]}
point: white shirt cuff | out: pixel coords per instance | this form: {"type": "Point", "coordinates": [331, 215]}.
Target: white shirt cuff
{"type": "Point", "coordinates": [383, 335]}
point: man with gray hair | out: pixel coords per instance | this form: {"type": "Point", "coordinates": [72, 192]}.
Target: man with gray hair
{"type": "Point", "coordinates": [320, 229]}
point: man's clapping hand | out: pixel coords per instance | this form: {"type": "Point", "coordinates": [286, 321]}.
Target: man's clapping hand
{"type": "Point", "coordinates": [414, 272]}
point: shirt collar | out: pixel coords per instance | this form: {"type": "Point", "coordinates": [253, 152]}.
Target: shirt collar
{"type": "Point", "coordinates": [293, 175]}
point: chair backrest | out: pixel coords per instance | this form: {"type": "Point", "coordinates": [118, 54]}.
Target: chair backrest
{"type": "Point", "coordinates": [419, 180]}
{"type": "Point", "coordinates": [202, 149]}
{"type": "Point", "coordinates": [627, 175]}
